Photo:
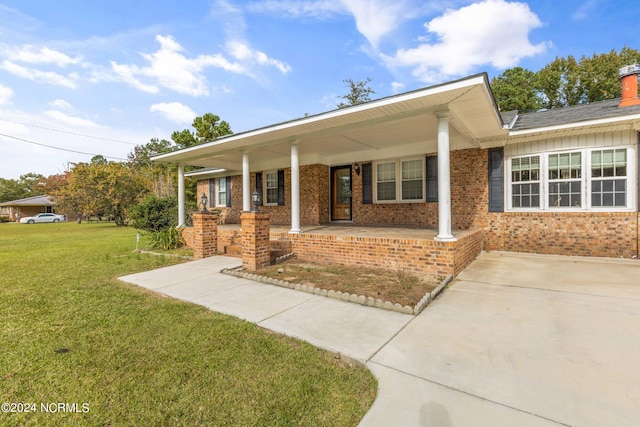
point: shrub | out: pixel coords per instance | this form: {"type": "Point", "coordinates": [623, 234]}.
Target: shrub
{"type": "Point", "coordinates": [155, 214]}
{"type": "Point", "coordinates": [168, 238]}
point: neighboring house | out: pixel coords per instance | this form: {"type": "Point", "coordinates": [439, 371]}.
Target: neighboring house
{"type": "Point", "coordinates": [30, 206]}
{"type": "Point", "coordinates": [561, 181]}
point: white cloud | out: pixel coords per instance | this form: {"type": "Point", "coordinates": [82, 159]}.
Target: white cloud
{"type": "Point", "coordinates": [60, 104]}
{"type": "Point", "coordinates": [174, 111]}
{"type": "Point", "coordinates": [32, 55]}
{"type": "Point", "coordinates": [585, 9]}
{"type": "Point", "coordinates": [5, 95]}
{"type": "Point", "coordinates": [39, 76]}
{"type": "Point", "coordinates": [61, 117]}
{"type": "Point", "coordinates": [377, 18]}
{"type": "Point", "coordinates": [397, 87]}
{"type": "Point", "coordinates": [374, 18]}
{"type": "Point", "coordinates": [293, 8]}
{"type": "Point", "coordinates": [242, 52]}
{"type": "Point", "coordinates": [169, 68]}
{"type": "Point", "coordinates": [491, 32]}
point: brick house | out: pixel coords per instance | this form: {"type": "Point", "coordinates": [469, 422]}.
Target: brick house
{"type": "Point", "coordinates": [437, 174]}
{"type": "Point", "coordinates": [30, 206]}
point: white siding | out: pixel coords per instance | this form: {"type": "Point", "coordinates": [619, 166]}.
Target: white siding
{"type": "Point", "coordinates": [607, 139]}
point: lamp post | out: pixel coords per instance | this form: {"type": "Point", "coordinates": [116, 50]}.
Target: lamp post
{"type": "Point", "coordinates": [203, 202]}
{"type": "Point", "coordinates": [255, 198]}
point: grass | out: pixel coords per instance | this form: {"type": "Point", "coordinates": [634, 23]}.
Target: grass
{"type": "Point", "coordinates": [395, 286]}
{"type": "Point", "coordinates": [72, 333]}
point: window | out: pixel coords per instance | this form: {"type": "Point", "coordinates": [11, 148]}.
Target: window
{"type": "Point", "coordinates": [400, 181]}
{"type": "Point", "coordinates": [221, 192]}
{"type": "Point", "coordinates": [608, 178]}
{"type": "Point", "coordinates": [271, 188]}
{"type": "Point", "coordinates": [412, 179]}
{"type": "Point", "coordinates": [580, 179]}
{"type": "Point", "coordinates": [525, 178]}
{"type": "Point", "coordinates": [565, 180]}
{"type": "Point", "coordinates": [386, 181]}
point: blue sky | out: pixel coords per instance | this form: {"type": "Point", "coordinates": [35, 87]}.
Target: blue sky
{"type": "Point", "coordinates": [100, 77]}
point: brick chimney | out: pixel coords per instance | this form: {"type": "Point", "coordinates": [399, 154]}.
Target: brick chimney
{"type": "Point", "coordinates": [629, 77]}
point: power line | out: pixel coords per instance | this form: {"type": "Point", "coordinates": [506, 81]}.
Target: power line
{"type": "Point", "coordinates": [69, 132]}
{"type": "Point", "coordinates": [59, 148]}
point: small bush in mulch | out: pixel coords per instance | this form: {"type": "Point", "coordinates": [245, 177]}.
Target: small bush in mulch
{"type": "Point", "coordinates": [401, 287]}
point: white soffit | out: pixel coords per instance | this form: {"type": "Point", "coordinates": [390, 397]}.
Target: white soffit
{"type": "Point", "coordinates": [397, 120]}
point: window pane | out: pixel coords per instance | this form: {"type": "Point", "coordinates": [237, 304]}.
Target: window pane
{"type": "Point", "coordinates": [412, 190]}
{"type": "Point", "coordinates": [412, 169]}
{"type": "Point", "coordinates": [272, 195]}
{"type": "Point", "coordinates": [386, 172]}
{"type": "Point", "coordinates": [620, 199]}
{"type": "Point", "coordinates": [386, 191]}
{"type": "Point", "coordinates": [272, 188]}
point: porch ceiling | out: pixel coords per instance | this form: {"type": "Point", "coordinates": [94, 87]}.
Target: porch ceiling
{"type": "Point", "coordinates": [362, 130]}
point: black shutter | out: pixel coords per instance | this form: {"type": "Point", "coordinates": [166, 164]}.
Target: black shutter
{"type": "Point", "coordinates": [259, 187]}
{"type": "Point", "coordinates": [212, 193]}
{"type": "Point", "coordinates": [280, 188]}
{"type": "Point", "coordinates": [432, 179]}
{"type": "Point", "coordinates": [367, 188]}
{"type": "Point", "coordinates": [496, 180]}
{"type": "Point", "coordinates": [228, 187]}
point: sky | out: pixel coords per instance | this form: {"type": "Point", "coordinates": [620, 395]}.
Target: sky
{"type": "Point", "coordinates": [84, 78]}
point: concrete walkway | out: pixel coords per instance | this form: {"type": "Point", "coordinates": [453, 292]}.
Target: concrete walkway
{"type": "Point", "coordinates": [516, 339]}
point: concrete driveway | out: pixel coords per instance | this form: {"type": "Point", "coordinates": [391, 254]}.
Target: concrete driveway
{"type": "Point", "coordinates": [526, 340]}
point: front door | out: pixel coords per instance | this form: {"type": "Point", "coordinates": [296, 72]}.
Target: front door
{"type": "Point", "coordinates": [341, 193]}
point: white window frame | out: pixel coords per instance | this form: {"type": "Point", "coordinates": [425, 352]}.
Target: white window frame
{"type": "Point", "coordinates": [585, 181]}
{"type": "Point", "coordinates": [398, 180]}
{"type": "Point", "coordinates": [217, 183]}
{"type": "Point", "coordinates": [265, 187]}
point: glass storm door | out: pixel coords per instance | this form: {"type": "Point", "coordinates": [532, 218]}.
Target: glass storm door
{"type": "Point", "coordinates": [341, 194]}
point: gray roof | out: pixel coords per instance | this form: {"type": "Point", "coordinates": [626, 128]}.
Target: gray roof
{"type": "Point", "coordinates": [43, 200]}
{"type": "Point", "coordinates": [574, 114]}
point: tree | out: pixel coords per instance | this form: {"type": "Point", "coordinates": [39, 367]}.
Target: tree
{"type": "Point", "coordinates": [208, 128]}
{"type": "Point", "coordinates": [30, 184]}
{"type": "Point", "coordinates": [515, 90]}
{"type": "Point", "coordinates": [109, 189]}
{"type": "Point", "coordinates": [359, 93]}
{"type": "Point", "coordinates": [161, 175]}
{"type": "Point", "coordinates": [559, 83]}
{"type": "Point", "coordinates": [599, 73]}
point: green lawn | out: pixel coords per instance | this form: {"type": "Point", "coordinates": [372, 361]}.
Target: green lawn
{"type": "Point", "coordinates": [70, 332]}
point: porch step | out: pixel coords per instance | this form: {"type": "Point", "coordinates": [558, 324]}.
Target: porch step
{"type": "Point", "coordinates": [233, 251]}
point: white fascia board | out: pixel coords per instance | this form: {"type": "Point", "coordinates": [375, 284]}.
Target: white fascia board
{"type": "Point", "coordinates": [567, 126]}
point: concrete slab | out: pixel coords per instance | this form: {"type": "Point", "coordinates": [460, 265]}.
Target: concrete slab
{"type": "Point", "coordinates": [596, 276]}
{"type": "Point", "coordinates": [166, 276]}
{"type": "Point", "coordinates": [568, 357]}
{"type": "Point", "coordinates": [252, 301]}
{"type": "Point", "coordinates": [354, 330]}
{"type": "Point", "coordinates": [406, 400]}
{"type": "Point", "coordinates": [198, 288]}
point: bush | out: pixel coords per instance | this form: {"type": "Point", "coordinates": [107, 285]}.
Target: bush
{"type": "Point", "coordinates": [169, 238]}
{"type": "Point", "coordinates": [155, 214]}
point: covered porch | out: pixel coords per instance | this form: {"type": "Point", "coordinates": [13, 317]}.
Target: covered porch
{"type": "Point", "coordinates": [400, 248]}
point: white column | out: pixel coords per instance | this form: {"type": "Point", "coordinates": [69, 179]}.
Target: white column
{"type": "Point", "coordinates": [295, 189]}
{"type": "Point", "coordinates": [444, 180]}
{"type": "Point", "coordinates": [246, 183]}
{"type": "Point", "coordinates": [181, 196]}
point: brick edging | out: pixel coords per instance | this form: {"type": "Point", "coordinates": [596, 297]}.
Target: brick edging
{"type": "Point", "coordinates": [345, 296]}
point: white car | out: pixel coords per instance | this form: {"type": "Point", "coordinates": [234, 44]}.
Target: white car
{"type": "Point", "coordinates": [43, 217]}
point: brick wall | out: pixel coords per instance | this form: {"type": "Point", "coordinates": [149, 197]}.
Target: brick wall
{"type": "Point", "coordinates": [314, 197]}
{"type": "Point", "coordinates": [602, 234]}
{"type": "Point", "coordinates": [419, 256]}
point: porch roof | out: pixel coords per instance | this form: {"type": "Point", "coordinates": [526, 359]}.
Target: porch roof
{"type": "Point", "coordinates": [403, 124]}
